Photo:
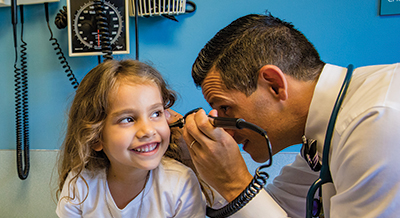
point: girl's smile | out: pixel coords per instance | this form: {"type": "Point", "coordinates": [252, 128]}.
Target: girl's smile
{"type": "Point", "coordinates": [147, 149]}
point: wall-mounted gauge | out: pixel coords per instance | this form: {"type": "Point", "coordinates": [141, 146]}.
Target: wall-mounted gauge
{"type": "Point", "coordinates": [90, 21]}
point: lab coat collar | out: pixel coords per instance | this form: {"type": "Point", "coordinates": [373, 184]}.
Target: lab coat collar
{"type": "Point", "coordinates": [322, 103]}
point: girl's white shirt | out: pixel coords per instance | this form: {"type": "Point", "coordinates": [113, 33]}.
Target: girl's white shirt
{"type": "Point", "coordinates": [171, 191]}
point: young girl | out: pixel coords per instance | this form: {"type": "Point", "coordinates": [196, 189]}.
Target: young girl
{"type": "Point", "coordinates": [116, 160]}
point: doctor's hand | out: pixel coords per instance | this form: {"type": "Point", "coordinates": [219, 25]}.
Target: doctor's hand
{"type": "Point", "coordinates": [216, 155]}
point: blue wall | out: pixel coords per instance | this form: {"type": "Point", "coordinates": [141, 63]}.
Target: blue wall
{"type": "Point", "coordinates": [342, 31]}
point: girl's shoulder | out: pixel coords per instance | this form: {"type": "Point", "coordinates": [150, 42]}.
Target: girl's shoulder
{"type": "Point", "coordinates": [87, 178]}
{"type": "Point", "coordinates": [172, 170]}
{"type": "Point", "coordinates": [178, 188]}
{"type": "Point", "coordinates": [173, 166]}
{"type": "Point", "coordinates": [78, 186]}
{"type": "Point", "coordinates": [173, 179]}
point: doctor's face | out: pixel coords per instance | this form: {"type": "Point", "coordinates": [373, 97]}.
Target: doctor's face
{"type": "Point", "coordinates": [254, 108]}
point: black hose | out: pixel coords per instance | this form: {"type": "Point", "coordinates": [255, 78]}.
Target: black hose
{"type": "Point", "coordinates": [136, 29]}
{"type": "Point", "coordinates": [102, 26]}
{"type": "Point", "coordinates": [21, 107]}
{"type": "Point", "coordinates": [59, 53]}
{"type": "Point", "coordinates": [61, 20]}
{"type": "Point", "coordinates": [260, 178]}
{"type": "Point", "coordinates": [192, 4]}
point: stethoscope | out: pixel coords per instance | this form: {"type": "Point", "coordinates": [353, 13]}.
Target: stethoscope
{"type": "Point", "coordinates": [325, 174]}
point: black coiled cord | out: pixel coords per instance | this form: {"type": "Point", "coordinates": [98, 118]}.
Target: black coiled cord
{"type": "Point", "coordinates": [102, 26]}
{"type": "Point", "coordinates": [259, 180]}
{"type": "Point", "coordinates": [255, 186]}
{"type": "Point", "coordinates": [257, 183]}
{"type": "Point", "coordinates": [61, 18]}
{"type": "Point", "coordinates": [192, 5]}
{"type": "Point", "coordinates": [136, 29]}
{"type": "Point", "coordinates": [21, 108]}
{"type": "Point", "coordinates": [57, 48]}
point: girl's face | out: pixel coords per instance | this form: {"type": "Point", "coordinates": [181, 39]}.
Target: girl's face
{"type": "Point", "coordinates": [136, 133]}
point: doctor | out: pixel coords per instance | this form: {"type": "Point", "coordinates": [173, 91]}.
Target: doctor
{"type": "Point", "coordinates": [263, 70]}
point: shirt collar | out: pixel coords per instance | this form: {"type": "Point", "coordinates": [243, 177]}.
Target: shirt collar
{"type": "Point", "coordinates": [322, 103]}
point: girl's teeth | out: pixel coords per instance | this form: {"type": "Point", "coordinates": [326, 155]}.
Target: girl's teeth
{"type": "Point", "coordinates": [146, 148]}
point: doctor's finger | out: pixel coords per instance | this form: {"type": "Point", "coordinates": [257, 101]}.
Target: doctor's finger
{"type": "Point", "coordinates": [204, 125]}
{"type": "Point", "coordinates": [210, 140]}
{"type": "Point", "coordinates": [192, 134]}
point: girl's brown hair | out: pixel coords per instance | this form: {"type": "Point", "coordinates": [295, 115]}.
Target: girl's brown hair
{"type": "Point", "coordinates": [88, 113]}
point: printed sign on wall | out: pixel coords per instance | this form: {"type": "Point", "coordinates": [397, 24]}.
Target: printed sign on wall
{"type": "Point", "coordinates": [390, 7]}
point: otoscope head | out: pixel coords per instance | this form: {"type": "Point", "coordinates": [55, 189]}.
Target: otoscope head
{"type": "Point", "coordinates": [181, 122]}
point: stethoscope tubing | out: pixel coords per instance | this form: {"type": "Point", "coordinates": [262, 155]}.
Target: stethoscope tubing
{"type": "Point", "coordinates": [325, 174]}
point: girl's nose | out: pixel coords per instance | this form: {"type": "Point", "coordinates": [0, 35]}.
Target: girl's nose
{"type": "Point", "coordinates": [146, 130]}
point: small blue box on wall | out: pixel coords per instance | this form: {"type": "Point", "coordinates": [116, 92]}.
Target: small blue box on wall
{"type": "Point", "coordinates": [390, 7]}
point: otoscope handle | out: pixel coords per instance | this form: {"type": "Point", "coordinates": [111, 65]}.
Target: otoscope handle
{"type": "Point", "coordinates": [235, 123]}
{"type": "Point", "coordinates": [226, 122]}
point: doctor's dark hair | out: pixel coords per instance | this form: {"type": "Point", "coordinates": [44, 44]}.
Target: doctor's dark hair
{"type": "Point", "coordinates": [89, 110]}
{"type": "Point", "coordinates": [242, 48]}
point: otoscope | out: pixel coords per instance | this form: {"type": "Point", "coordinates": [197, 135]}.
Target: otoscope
{"type": "Point", "coordinates": [260, 177]}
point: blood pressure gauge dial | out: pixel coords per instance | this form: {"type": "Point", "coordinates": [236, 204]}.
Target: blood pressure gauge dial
{"type": "Point", "coordinates": [85, 33]}
{"type": "Point", "coordinates": [85, 25]}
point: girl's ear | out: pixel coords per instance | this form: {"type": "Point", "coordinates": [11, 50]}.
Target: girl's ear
{"type": "Point", "coordinates": [98, 146]}
{"type": "Point", "coordinates": [274, 79]}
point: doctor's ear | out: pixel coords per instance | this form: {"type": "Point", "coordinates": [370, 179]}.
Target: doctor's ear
{"type": "Point", "coordinates": [272, 77]}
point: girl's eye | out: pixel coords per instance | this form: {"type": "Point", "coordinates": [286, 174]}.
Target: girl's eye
{"type": "Point", "coordinates": [157, 114]}
{"type": "Point", "coordinates": [127, 120]}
